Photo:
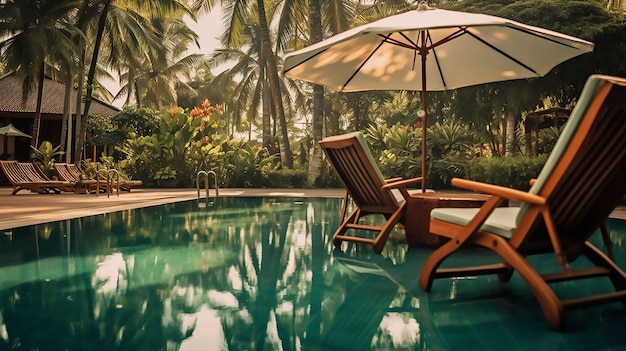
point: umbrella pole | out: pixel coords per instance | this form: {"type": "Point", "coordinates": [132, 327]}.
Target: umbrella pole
{"type": "Point", "coordinates": [424, 151]}
{"type": "Point", "coordinates": [423, 52]}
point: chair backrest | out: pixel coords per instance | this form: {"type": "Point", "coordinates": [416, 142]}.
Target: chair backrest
{"type": "Point", "coordinates": [585, 175]}
{"type": "Point", "coordinates": [13, 172]}
{"type": "Point", "coordinates": [64, 173]}
{"type": "Point", "coordinates": [74, 170]}
{"type": "Point", "coordinates": [353, 162]}
{"type": "Point", "coordinates": [33, 172]}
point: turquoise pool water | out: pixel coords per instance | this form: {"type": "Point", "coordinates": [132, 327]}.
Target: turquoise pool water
{"type": "Point", "coordinates": [261, 274]}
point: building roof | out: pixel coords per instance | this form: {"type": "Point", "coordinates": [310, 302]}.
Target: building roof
{"type": "Point", "coordinates": [52, 102]}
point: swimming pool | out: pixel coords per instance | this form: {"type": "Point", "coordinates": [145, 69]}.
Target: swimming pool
{"type": "Point", "coordinates": [260, 273]}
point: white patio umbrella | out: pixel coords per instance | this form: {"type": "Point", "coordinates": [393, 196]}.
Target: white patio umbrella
{"type": "Point", "coordinates": [10, 131]}
{"type": "Point", "coordinates": [432, 50]}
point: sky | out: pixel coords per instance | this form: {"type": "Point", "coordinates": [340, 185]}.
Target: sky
{"type": "Point", "coordinates": [208, 28]}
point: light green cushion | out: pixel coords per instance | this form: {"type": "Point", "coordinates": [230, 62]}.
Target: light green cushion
{"type": "Point", "coordinates": [593, 84]}
{"type": "Point", "coordinates": [370, 158]}
{"type": "Point", "coordinates": [501, 222]}
{"type": "Point", "coordinates": [361, 140]}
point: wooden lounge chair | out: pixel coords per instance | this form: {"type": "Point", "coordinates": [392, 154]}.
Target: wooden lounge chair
{"type": "Point", "coordinates": [35, 174]}
{"type": "Point", "coordinates": [81, 184]}
{"type": "Point", "coordinates": [352, 160]}
{"type": "Point", "coordinates": [27, 176]}
{"type": "Point", "coordinates": [124, 184]}
{"type": "Point", "coordinates": [74, 170]}
{"type": "Point", "coordinates": [580, 184]}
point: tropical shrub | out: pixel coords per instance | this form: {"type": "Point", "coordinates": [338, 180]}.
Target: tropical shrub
{"type": "Point", "coordinates": [113, 132]}
{"type": "Point", "coordinates": [250, 166]}
{"type": "Point", "coordinates": [44, 157]}
{"type": "Point", "coordinates": [171, 151]}
{"type": "Point", "coordinates": [451, 138]}
{"type": "Point", "coordinates": [547, 139]}
{"type": "Point", "coordinates": [188, 142]}
{"type": "Point", "coordinates": [452, 153]}
{"type": "Point", "coordinates": [138, 161]}
{"type": "Point", "coordinates": [515, 171]}
{"type": "Point", "coordinates": [397, 148]}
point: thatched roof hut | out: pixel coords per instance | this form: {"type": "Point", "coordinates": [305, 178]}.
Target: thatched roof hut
{"type": "Point", "coordinates": [22, 114]}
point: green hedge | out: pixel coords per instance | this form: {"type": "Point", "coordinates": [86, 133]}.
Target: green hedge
{"type": "Point", "coordinates": [514, 172]}
{"type": "Point", "coordinates": [287, 178]}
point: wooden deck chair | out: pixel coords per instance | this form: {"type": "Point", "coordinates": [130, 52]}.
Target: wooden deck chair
{"type": "Point", "coordinates": [74, 170]}
{"type": "Point", "coordinates": [352, 160]}
{"type": "Point", "coordinates": [63, 173]}
{"type": "Point", "coordinates": [81, 185]}
{"type": "Point", "coordinates": [35, 174]}
{"type": "Point", "coordinates": [24, 176]}
{"type": "Point", "coordinates": [581, 183]}
{"type": "Point", "coordinates": [124, 184]}
{"type": "Point", "coordinates": [95, 181]}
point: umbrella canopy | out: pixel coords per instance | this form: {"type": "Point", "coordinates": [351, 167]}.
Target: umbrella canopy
{"type": "Point", "coordinates": [10, 130]}
{"type": "Point", "coordinates": [432, 50]}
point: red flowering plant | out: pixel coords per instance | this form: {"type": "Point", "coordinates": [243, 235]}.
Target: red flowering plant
{"type": "Point", "coordinates": [189, 141]}
{"type": "Point", "coordinates": [178, 144]}
{"type": "Point", "coordinates": [209, 117]}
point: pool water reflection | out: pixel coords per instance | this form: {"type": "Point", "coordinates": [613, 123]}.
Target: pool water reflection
{"type": "Point", "coordinates": [260, 273]}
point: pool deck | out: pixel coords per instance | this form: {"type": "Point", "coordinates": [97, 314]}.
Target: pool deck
{"type": "Point", "coordinates": [28, 208]}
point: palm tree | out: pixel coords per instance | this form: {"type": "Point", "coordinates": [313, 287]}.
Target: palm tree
{"type": "Point", "coordinates": [338, 15]}
{"type": "Point", "coordinates": [33, 33]}
{"type": "Point", "coordinates": [286, 155]}
{"type": "Point", "coordinates": [616, 5]}
{"type": "Point", "coordinates": [153, 77]}
{"type": "Point", "coordinates": [290, 28]}
{"type": "Point", "coordinates": [239, 13]}
{"type": "Point", "coordinates": [315, 159]}
{"type": "Point", "coordinates": [249, 87]}
{"type": "Point", "coordinates": [125, 15]}
{"type": "Point", "coordinates": [248, 69]}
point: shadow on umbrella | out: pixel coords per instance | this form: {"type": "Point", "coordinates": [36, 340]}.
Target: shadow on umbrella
{"type": "Point", "coordinates": [452, 49]}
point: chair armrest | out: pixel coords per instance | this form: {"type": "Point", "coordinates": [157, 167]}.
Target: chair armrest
{"type": "Point", "coordinates": [392, 180]}
{"type": "Point", "coordinates": [508, 193]}
{"type": "Point", "coordinates": [398, 183]}
{"type": "Point", "coordinates": [401, 186]}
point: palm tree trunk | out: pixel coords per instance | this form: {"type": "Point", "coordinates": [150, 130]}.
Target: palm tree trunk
{"type": "Point", "coordinates": [510, 134]}
{"type": "Point", "coordinates": [267, 121]}
{"type": "Point", "coordinates": [35, 139]}
{"type": "Point", "coordinates": [92, 69]}
{"type": "Point", "coordinates": [80, 75]}
{"type": "Point", "coordinates": [66, 128]}
{"type": "Point", "coordinates": [286, 155]}
{"type": "Point", "coordinates": [137, 98]}
{"type": "Point", "coordinates": [78, 140]}
{"type": "Point", "coordinates": [315, 159]}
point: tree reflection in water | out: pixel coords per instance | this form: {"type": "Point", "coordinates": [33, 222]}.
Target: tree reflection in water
{"type": "Point", "coordinates": [246, 273]}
